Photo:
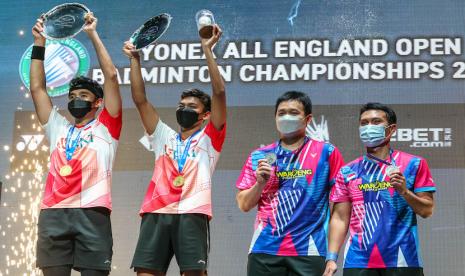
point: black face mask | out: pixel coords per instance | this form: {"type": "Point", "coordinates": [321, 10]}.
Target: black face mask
{"type": "Point", "coordinates": [79, 108]}
{"type": "Point", "coordinates": [186, 117]}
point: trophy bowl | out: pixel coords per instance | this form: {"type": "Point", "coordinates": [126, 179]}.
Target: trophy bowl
{"type": "Point", "coordinates": [205, 22]}
{"type": "Point", "coordinates": [150, 31]}
{"type": "Point", "coordinates": [64, 21]}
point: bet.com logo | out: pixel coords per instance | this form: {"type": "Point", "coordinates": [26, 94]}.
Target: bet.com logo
{"type": "Point", "coordinates": [424, 137]}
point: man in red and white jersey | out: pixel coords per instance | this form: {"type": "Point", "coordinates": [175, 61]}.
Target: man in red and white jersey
{"type": "Point", "coordinates": [74, 229]}
{"type": "Point", "coordinates": [177, 206]}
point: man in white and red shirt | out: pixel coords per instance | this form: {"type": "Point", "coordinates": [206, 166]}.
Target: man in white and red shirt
{"type": "Point", "coordinates": [74, 229]}
{"type": "Point", "coordinates": [177, 206]}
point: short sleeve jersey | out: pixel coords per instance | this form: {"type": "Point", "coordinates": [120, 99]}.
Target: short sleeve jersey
{"type": "Point", "coordinates": [84, 180]}
{"type": "Point", "coordinates": [165, 195]}
{"type": "Point", "coordinates": [293, 210]}
{"type": "Point", "coordinates": [383, 227]}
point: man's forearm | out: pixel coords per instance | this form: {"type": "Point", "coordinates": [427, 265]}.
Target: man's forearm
{"type": "Point", "coordinates": [106, 64]}
{"type": "Point", "coordinates": [421, 205]}
{"type": "Point", "coordinates": [215, 76]}
{"type": "Point", "coordinates": [248, 199]}
{"type": "Point", "coordinates": [37, 75]}
{"type": "Point", "coordinates": [337, 233]}
{"type": "Point", "coordinates": [137, 82]}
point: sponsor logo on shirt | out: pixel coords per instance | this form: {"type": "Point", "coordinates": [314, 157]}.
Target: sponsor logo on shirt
{"type": "Point", "coordinates": [374, 186]}
{"type": "Point", "coordinates": [293, 174]}
{"type": "Point", "coordinates": [424, 137]}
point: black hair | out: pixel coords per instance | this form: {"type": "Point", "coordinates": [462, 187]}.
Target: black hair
{"type": "Point", "coordinates": [390, 114]}
{"type": "Point", "coordinates": [199, 94]}
{"type": "Point", "coordinates": [301, 97]}
{"type": "Point", "coordinates": [82, 82]}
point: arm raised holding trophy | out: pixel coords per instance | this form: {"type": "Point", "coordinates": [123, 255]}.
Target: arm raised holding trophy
{"type": "Point", "coordinates": [113, 103]}
{"type": "Point", "coordinates": [42, 102]}
{"type": "Point", "coordinates": [147, 111]}
{"type": "Point", "coordinates": [218, 113]}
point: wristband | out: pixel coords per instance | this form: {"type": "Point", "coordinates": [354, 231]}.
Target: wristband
{"type": "Point", "coordinates": [331, 256]}
{"type": "Point", "coordinates": [38, 52]}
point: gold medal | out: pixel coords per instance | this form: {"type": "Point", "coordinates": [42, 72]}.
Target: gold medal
{"type": "Point", "coordinates": [66, 170]}
{"type": "Point", "coordinates": [178, 181]}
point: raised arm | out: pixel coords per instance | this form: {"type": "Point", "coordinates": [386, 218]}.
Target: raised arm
{"type": "Point", "coordinates": [112, 99]}
{"type": "Point", "coordinates": [147, 112]}
{"type": "Point", "coordinates": [42, 102]}
{"type": "Point", "coordinates": [218, 112]}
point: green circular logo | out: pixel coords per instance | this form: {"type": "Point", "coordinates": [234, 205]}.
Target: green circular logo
{"type": "Point", "coordinates": [64, 60]}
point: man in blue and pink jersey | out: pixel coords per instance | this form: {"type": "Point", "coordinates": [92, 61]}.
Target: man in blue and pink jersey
{"type": "Point", "coordinates": [379, 195]}
{"type": "Point", "coordinates": [290, 181]}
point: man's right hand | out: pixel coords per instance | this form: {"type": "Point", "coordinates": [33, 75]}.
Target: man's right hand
{"type": "Point", "coordinates": [331, 268]}
{"type": "Point", "coordinates": [130, 50]}
{"type": "Point", "coordinates": [39, 38]}
{"type": "Point", "coordinates": [263, 172]}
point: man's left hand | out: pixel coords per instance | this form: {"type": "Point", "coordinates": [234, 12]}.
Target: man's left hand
{"type": "Point", "coordinates": [91, 23]}
{"type": "Point", "coordinates": [210, 42]}
{"type": "Point", "coordinates": [398, 182]}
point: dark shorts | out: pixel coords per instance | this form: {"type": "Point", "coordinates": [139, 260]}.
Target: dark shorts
{"type": "Point", "coordinates": [186, 236]}
{"type": "Point", "coordinates": [78, 237]}
{"type": "Point", "coordinates": [401, 271]}
{"type": "Point", "coordinates": [271, 265]}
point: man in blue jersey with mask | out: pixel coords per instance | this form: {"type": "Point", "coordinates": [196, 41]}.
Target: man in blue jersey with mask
{"type": "Point", "coordinates": [289, 181]}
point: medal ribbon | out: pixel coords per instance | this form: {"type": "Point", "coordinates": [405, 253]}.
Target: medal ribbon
{"type": "Point", "coordinates": [393, 162]}
{"type": "Point", "coordinates": [295, 154]}
{"type": "Point", "coordinates": [183, 158]}
{"type": "Point", "coordinates": [71, 145]}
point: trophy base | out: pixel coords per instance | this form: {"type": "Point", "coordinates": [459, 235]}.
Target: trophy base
{"type": "Point", "coordinates": [206, 31]}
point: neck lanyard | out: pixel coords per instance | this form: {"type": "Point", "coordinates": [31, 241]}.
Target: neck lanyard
{"type": "Point", "coordinates": [296, 153]}
{"type": "Point", "coordinates": [182, 158]}
{"type": "Point", "coordinates": [71, 144]}
{"type": "Point", "coordinates": [392, 163]}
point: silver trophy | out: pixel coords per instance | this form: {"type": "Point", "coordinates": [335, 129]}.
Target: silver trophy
{"type": "Point", "coordinates": [150, 31]}
{"type": "Point", "coordinates": [205, 22]}
{"type": "Point", "coordinates": [64, 21]}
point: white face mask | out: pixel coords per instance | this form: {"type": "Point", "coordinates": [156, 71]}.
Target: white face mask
{"type": "Point", "coordinates": [289, 124]}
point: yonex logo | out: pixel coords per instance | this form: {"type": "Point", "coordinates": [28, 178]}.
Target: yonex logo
{"type": "Point", "coordinates": [29, 142]}
{"type": "Point", "coordinates": [64, 60]}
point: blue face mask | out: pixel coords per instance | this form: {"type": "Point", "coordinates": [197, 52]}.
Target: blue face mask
{"type": "Point", "coordinates": [372, 135]}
